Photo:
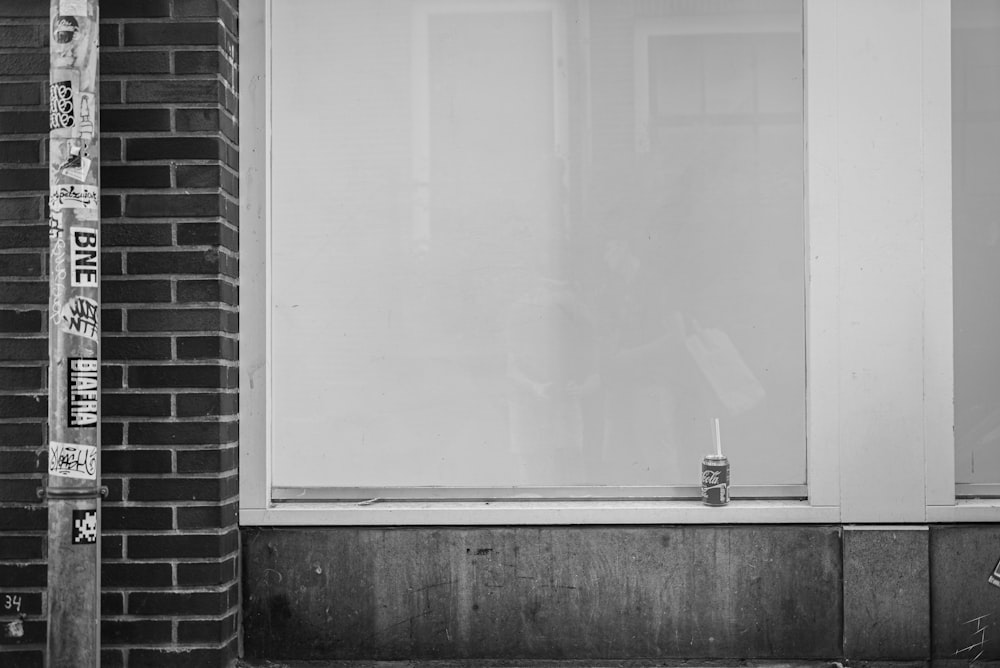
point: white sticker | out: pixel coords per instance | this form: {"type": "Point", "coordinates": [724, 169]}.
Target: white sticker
{"type": "Point", "coordinates": [85, 127]}
{"type": "Point", "coordinates": [80, 316]}
{"type": "Point", "coordinates": [71, 460]}
{"type": "Point", "coordinates": [74, 162]}
{"type": "Point", "coordinates": [73, 7]}
{"type": "Point", "coordinates": [74, 197]}
{"type": "Point", "coordinates": [84, 257]}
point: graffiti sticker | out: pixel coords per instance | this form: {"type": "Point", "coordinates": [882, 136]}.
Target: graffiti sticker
{"type": "Point", "coordinates": [83, 257]}
{"type": "Point", "coordinates": [84, 527]}
{"type": "Point", "coordinates": [80, 316]}
{"type": "Point", "coordinates": [83, 392]}
{"type": "Point", "coordinates": [61, 104]}
{"type": "Point", "coordinates": [74, 197]}
{"type": "Point", "coordinates": [86, 125]}
{"type": "Point", "coordinates": [76, 164]}
{"type": "Point", "coordinates": [65, 29]}
{"type": "Point", "coordinates": [995, 578]}
{"type": "Point", "coordinates": [55, 223]}
{"type": "Point", "coordinates": [70, 460]}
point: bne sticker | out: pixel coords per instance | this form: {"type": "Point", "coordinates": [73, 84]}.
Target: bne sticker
{"type": "Point", "coordinates": [84, 527]}
{"type": "Point", "coordinates": [71, 460]}
{"type": "Point", "coordinates": [84, 254]}
{"type": "Point", "coordinates": [80, 316]}
{"type": "Point", "coordinates": [83, 390]}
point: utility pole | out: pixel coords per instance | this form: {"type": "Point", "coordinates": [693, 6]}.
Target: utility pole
{"type": "Point", "coordinates": [73, 486]}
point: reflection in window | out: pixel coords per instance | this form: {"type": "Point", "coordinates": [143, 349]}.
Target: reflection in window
{"type": "Point", "coordinates": [552, 241]}
{"type": "Point", "coordinates": [976, 239]}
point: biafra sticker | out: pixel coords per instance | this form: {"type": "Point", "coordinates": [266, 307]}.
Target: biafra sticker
{"type": "Point", "coordinates": [83, 392]}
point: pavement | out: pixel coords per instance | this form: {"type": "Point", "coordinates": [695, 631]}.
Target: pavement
{"type": "Point", "coordinates": [522, 663]}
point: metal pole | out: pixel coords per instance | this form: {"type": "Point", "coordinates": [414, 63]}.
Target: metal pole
{"type": "Point", "coordinates": [73, 485]}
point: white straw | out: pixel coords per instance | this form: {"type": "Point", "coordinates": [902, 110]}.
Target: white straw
{"type": "Point", "coordinates": [718, 438]}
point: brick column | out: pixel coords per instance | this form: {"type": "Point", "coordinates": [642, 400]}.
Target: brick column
{"type": "Point", "coordinates": [170, 321]}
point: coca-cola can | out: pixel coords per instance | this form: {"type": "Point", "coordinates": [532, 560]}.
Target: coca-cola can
{"type": "Point", "coordinates": [715, 480]}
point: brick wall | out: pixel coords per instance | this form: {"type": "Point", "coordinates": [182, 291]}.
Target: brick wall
{"type": "Point", "coordinates": [169, 224]}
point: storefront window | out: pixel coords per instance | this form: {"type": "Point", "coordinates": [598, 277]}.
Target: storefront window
{"type": "Point", "coordinates": [976, 244]}
{"type": "Point", "coordinates": [535, 245]}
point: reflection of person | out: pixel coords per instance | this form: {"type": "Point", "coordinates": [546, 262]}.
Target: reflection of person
{"type": "Point", "coordinates": [551, 367]}
{"type": "Point", "coordinates": [645, 372]}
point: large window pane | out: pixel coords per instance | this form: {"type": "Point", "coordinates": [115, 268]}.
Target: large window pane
{"type": "Point", "coordinates": [976, 241]}
{"type": "Point", "coordinates": [535, 243]}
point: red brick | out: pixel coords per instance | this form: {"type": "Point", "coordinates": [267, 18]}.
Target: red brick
{"type": "Point", "coordinates": [20, 36]}
{"type": "Point", "coordinates": [144, 631]}
{"type": "Point", "coordinates": [19, 322]}
{"type": "Point", "coordinates": [163, 33]}
{"type": "Point", "coordinates": [210, 574]}
{"type": "Point", "coordinates": [132, 518]}
{"type": "Point", "coordinates": [129, 9]}
{"type": "Point", "coordinates": [131, 290]}
{"type": "Point", "coordinates": [207, 517]}
{"type": "Point", "coordinates": [174, 148]}
{"type": "Point", "coordinates": [133, 62]}
{"type": "Point", "coordinates": [20, 378]}
{"type": "Point", "coordinates": [19, 152]}
{"type": "Point", "coordinates": [145, 575]}
{"type": "Point", "coordinates": [173, 206]}
{"type": "Point", "coordinates": [185, 90]}
{"type": "Point", "coordinates": [133, 404]}
{"type": "Point", "coordinates": [135, 348]}
{"type": "Point", "coordinates": [134, 120]}
{"type": "Point", "coordinates": [170, 546]}
{"type": "Point", "coordinates": [182, 433]}
{"type": "Point", "coordinates": [20, 548]}
{"type": "Point", "coordinates": [207, 405]}
{"type": "Point", "coordinates": [21, 64]}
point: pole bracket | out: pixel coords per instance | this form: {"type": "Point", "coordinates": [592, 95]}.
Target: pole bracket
{"type": "Point", "coordinates": [72, 492]}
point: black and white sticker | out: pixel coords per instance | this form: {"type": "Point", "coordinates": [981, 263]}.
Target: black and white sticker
{"type": "Point", "coordinates": [81, 316]}
{"type": "Point", "coordinates": [84, 257]}
{"type": "Point", "coordinates": [83, 392]}
{"type": "Point", "coordinates": [84, 527]}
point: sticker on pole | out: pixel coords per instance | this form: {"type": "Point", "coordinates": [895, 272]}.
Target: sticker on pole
{"type": "Point", "coordinates": [73, 7]}
{"type": "Point", "coordinates": [84, 527]}
{"type": "Point", "coordinates": [74, 196]}
{"type": "Point", "coordinates": [83, 391]}
{"type": "Point", "coordinates": [80, 316]}
{"type": "Point", "coordinates": [62, 102]}
{"type": "Point", "coordinates": [71, 460]}
{"type": "Point", "coordinates": [84, 253]}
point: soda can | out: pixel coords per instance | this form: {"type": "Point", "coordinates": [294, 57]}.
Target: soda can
{"type": "Point", "coordinates": [715, 480]}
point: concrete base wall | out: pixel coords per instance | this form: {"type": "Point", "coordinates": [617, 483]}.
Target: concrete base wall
{"type": "Point", "coordinates": [703, 592]}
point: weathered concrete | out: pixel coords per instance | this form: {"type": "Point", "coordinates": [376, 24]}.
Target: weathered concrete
{"type": "Point", "coordinates": [886, 594]}
{"type": "Point", "coordinates": [962, 558]}
{"type": "Point", "coordinates": [543, 593]}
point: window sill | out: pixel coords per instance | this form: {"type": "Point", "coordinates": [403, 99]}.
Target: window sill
{"type": "Point", "coordinates": [386, 513]}
{"type": "Point", "coordinates": [966, 510]}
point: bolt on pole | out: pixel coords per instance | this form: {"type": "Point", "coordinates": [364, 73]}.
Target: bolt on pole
{"type": "Point", "coordinates": [73, 484]}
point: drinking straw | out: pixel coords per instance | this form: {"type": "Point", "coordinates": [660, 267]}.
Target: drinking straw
{"type": "Point", "coordinates": [718, 438]}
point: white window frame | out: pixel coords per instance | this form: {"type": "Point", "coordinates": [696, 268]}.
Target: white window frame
{"type": "Point", "coordinates": [880, 447]}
